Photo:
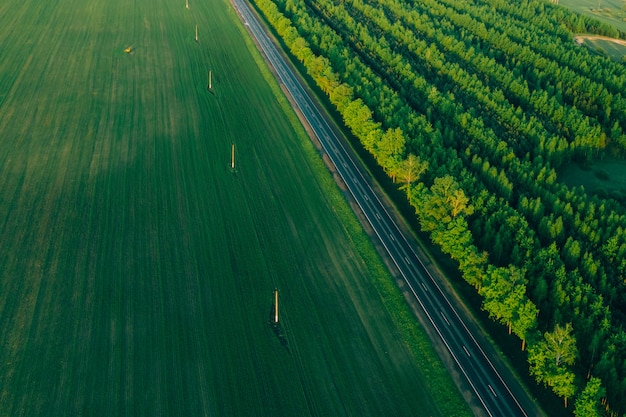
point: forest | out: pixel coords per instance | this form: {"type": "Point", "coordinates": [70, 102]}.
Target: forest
{"type": "Point", "coordinates": [472, 106]}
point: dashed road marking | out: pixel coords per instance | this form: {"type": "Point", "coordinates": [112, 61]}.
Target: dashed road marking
{"type": "Point", "coordinates": [444, 317]}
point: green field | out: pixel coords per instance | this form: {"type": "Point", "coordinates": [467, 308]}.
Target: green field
{"type": "Point", "coordinates": [609, 11]}
{"type": "Point", "coordinates": [609, 48]}
{"type": "Point", "coordinates": [612, 12]}
{"type": "Point", "coordinates": [606, 178]}
{"type": "Point", "coordinates": [137, 269]}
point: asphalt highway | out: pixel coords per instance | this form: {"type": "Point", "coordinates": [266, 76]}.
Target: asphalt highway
{"type": "Point", "coordinates": [490, 389]}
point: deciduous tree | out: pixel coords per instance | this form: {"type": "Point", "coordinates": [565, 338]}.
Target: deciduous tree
{"type": "Point", "coordinates": [410, 170]}
{"type": "Point", "coordinates": [550, 360]}
{"type": "Point", "coordinates": [588, 401]}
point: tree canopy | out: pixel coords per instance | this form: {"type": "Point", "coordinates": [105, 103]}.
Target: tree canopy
{"type": "Point", "coordinates": [472, 107]}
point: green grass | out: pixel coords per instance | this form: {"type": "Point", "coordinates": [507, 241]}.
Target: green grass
{"type": "Point", "coordinates": [609, 11]}
{"type": "Point", "coordinates": [606, 178]}
{"type": "Point", "coordinates": [137, 269]}
{"type": "Point", "coordinates": [608, 48]}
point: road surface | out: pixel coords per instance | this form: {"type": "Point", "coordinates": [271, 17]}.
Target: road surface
{"type": "Point", "coordinates": [491, 390]}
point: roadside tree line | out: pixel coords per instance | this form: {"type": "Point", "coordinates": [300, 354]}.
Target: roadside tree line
{"type": "Point", "coordinates": [473, 122]}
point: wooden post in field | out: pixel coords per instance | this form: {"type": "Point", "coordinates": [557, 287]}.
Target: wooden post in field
{"type": "Point", "coordinates": [197, 36]}
{"type": "Point", "coordinates": [276, 305]}
{"type": "Point", "coordinates": [232, 157]}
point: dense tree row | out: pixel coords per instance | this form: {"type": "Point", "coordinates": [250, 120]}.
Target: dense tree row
{"type": "Point", "coordinates": [553, 19]}
{"type": "Point", "coordinates": [468, 89]}
{"type": "Point", "coordinates": [526, 77]}
{"type": "Point", "coordinates": [560, 48]}
{"type": "Point", "coordinates": [470, 106]}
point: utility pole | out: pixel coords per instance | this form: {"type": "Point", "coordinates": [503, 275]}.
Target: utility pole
{"type": "Point", "coordinates": [276, 306]}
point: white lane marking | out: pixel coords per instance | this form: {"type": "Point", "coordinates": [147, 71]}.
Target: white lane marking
{"type": "Point", "coordinates": [444, 317]}
{"type": "Point", "coordinates": [425, 287]}
{"type": "Point", "coordinates": [466, 351]}
{"type": "Point", "coordinates": [377, 216]}
{"type": "Point", "coordinates": [492, 391]}
{"type": "Point", "coordinates": [407, 260]}
{"type": "Point", "coordinates": [391, 237]}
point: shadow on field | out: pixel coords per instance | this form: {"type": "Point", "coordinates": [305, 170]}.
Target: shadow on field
{"type": "Point", "coordinates": [277, 328]}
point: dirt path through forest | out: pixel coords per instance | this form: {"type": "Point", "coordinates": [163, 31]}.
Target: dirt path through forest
{"type": "Point", "coordinates": [581, 38]}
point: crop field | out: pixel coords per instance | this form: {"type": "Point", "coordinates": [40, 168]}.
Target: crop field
{"type": "Point", "coordinates": [137, 268]}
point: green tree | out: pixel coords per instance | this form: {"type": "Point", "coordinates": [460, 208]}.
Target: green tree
{"type": "Point", "coordinates": [503, 292]}
{"type": "Point", "coordinates": [524, 320]}
{"type": "Point", "coordinates": [550, 360]}
{"type": "Point", "coordinates": [341, 96]}
{"type": "Point", "coordinates": [410, 170]}
{"type": "Point", "coordinates": [588, 402]}
{"type": "Point", "coordinates": [562, 345]}
{"type": "Point", "coordinates": [390, 147]}
{"type": "Point", "coordinates": [445, 202]}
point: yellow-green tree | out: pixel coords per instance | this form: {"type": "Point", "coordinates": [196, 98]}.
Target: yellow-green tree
{"type": "Point", "coordinates": [588, 402]}
{"type": "Point", "coordinates": [551, 358]}
{"type": "Point", "coordinates": [446, 201]}
{"type": "Point", "coordinates": [410, 170]}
